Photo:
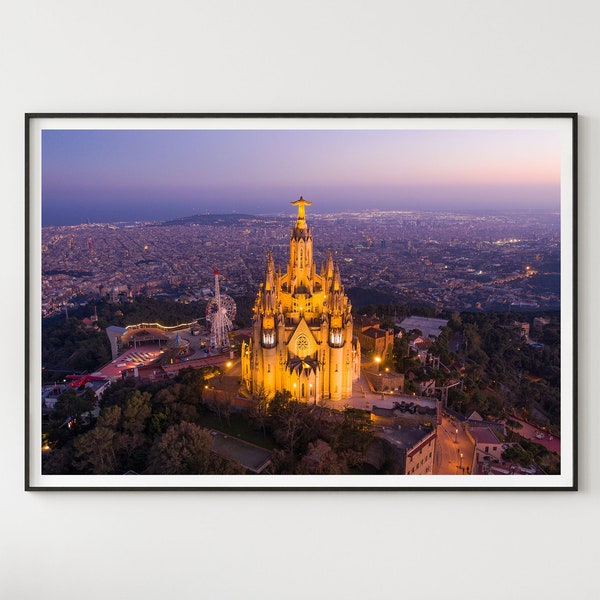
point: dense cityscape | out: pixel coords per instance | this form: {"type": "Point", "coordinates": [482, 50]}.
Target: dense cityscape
{"type": "Point", "coordinates": [445, 261]}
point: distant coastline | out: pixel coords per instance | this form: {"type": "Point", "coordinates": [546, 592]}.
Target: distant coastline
{"type": "Point", "coordinates": [68, 219]}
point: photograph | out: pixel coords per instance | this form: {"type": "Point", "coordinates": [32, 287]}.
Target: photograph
{"type": "Point", "coordinates": [301, 301]}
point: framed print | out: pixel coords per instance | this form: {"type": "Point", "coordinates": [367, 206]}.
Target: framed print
{"type": "Point", "coordinates": [301, 301]}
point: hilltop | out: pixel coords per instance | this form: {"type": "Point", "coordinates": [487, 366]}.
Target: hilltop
{"type": "Point", "coordinates": [225, 220]}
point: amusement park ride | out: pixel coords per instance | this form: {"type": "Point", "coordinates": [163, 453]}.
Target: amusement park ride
{"type": "Point", "coordinates": [220, 313]}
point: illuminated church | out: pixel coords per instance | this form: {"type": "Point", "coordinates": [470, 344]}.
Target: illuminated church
{"type": "Point", "coordinates": [301, 327]}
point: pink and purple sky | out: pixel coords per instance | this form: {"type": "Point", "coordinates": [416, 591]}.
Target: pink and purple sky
{"type": "Point", "coordinates": [122, 175]}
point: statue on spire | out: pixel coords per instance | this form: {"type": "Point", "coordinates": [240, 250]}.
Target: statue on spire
{"type": "Point", "coordinates": [300, 203]}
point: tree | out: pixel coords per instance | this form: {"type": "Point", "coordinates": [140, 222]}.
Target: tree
{"type": "Point", "coordinates": [135, 417]}
{"type": "Point", "coordinates": [72, 346]}
{"type": "Point", "coordinates": [402, 357]}
{"type": "Point", "coordinates": [167, 396]}
{"type": "Point", "coordinates": [73, 404]}
{"type": "Point", "coordinates": [222, 466]}
{"type": "Point", "coordinates": [259, 413]}
{"type": "Point", "coordinates": [441, 346]}
{"type": "Point", "coordinates": [118, 392]}
{"type": "Point", "coordinates": [95, 451]}
{"type": "Point", "coordinates": [457, 399]}
{"type": "Point", "coordinates": [551, 335]}
{"type": "Point", "coordinates": [354, 431]}
{"type": "Point", "coordinates": [184, 449]}
{"type": "Point", "coordinates": [221, 404]}
{"type": "Point", "coordinates": [180, 412]}
{"type": "Point", "coordinates": [455, 322]}
{"type": "Point", "coordinates": [480, 402]}
{"type": "Point", "coordinates": [110, 417]}
{"type": "Point", "coordinates": [192, 383]}
{"type": "Point", "coordinates": [279, 402]}
{"type": "Point", "coordinates": [512, 426]}
{"type": "Point", "coordinates": [495, 405]}
{"type": "Point", "coordinates": [472, 338]}
{"type": "Point", "coordinates": [290, 424]}
{"type": "Point", "coordinates": [58, 461]}
{"type": "Point", "coordinates": [293, 423]}
{"type": "Point", "coordinates": [516, 454]}
{"type": "Point", "coordinates": [67, 419]}
{"type": "Point", "coordinates": [321, 460]}
{"type": "Point", "coordinates": [159, 423]}
{"type": "Point", "coordinates": [137, 411]}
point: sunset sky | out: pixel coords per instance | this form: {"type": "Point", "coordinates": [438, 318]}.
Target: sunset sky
{"type": "Point", "coordinates": [122, 175]}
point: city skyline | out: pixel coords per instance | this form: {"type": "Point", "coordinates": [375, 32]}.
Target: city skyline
{"type": "Point", "coordinates": [106, 175]}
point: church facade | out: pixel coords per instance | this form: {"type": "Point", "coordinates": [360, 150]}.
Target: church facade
{"type": "Point", "coordinates": [302, 333]}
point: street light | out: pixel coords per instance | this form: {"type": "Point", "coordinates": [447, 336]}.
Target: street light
{"type": "Point", "coordinates": [456, 436]}
{"type": "Point", "coordinates": [461, 457]}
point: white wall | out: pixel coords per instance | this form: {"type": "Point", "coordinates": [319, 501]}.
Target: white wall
{"type": "Point", "coordinates": [150, 55]}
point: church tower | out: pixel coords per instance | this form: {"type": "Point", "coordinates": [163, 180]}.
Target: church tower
{"type": "Point", "coordinates": [302, 339]}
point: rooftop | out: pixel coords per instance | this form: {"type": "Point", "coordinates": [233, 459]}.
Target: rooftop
{"type": "Point", "coordinates": [484, 435]}
{"type": "Point", "coordinates": [406, 437]}
{"type": "Point", "coordinates": [426, 325]}
{"type": "Point", "coordinates": [374, 332]}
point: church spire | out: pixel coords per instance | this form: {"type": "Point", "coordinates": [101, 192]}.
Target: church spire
{"type": "Point", "coordinates": [300, 266]}
{"type": "Point", "coordinates": [329, 266]}
{"type": "Point", "coordinates": [270, 272]}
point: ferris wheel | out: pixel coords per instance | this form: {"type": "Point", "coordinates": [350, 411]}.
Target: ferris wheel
{"type": "Point", "coordinates": [220, 312]}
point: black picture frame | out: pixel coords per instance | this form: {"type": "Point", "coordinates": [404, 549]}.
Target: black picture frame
{"type": "Point", "coordinates": [562, 125]}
